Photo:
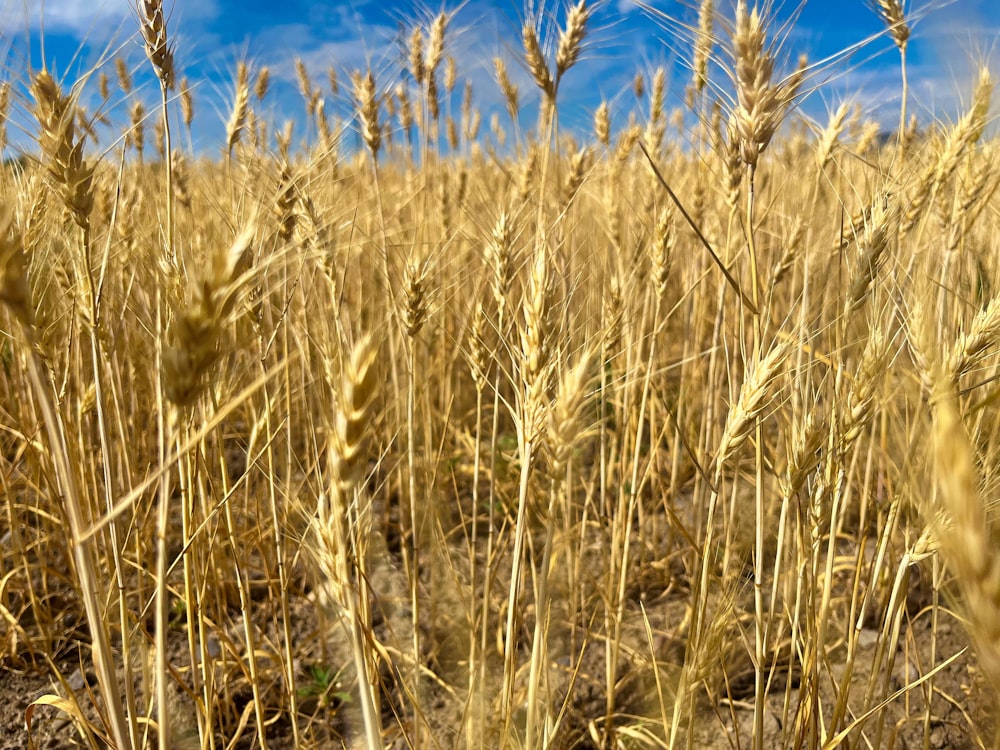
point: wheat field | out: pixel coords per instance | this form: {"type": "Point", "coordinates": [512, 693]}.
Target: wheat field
{"type": "Point", "coordinates": [410, 430]}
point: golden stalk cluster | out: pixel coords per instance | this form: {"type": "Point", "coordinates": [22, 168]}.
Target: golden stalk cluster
{"type": "Point", "coordinates": [518, 435]}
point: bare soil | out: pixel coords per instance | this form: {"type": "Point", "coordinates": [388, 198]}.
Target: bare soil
{"type": "Point", "coordinates": [959, 716]}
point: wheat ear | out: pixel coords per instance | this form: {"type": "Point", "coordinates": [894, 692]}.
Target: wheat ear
{"type": "Point", "coordinates": [537, 65]}
{"type": "Point", "coordinates": [366, 96]}
{"type": "Point", "coordinates": [976, 343]}
{"type": "Point", "coordinates": [571, 39]}
{"type": "Point", "coordinates": [56, 115]}
{"type": "Point", "coordinates": [342, 524]}
{"type": "Point", "coordinates": [238, 116]}
{"type": "Point", "coordinates": [4, 112]}
{"type": "Point", "coordinates": [704, 41]}
{"type": "Point", "coordinates": [962, 526]}
{"type": "Point", "coordinates": [750, 404]}
{"type": "Point", "coordinates": [153, 26]}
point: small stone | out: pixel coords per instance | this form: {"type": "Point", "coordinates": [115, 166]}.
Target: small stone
{"type": "Point", "coordinates": [213, 647]}
{"type": "Point", "coordinates": [80, 679]}
{"type": "Point", "coordinates": [867, 638]}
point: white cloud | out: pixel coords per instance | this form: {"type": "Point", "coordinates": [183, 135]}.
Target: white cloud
{"type": "Point", "coordinates": [77, 17]}
{"type": "Point", "coordinates": [88, 19]}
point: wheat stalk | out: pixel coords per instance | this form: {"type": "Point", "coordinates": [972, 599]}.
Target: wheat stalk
{"type": "Point", "coordinates": [831, 135]}
{"type": "Point", "coordinates": [579, 163]}
{"type": "Point", "coordinates": [960, 137]}
{"type": "Point", "coordinates": [602, 124]}
{"type": "Point", "coordinates": [750, 405]}
{"type": "Point", "coordinates": [966, 132]}
{"type": "Point", "coordinates": [961, 524]}
{"type": "Point", "coordinates": [507, 88]}
{"type": "Point", "coordinates": [662, 249]}
{"type": "Point", "coordinates": [342, 525]}
{"type": "Point", "coordinates": [365, 94]}
{"type": "Point", "coordinates": [153, 26]}
{"type": "Point", "coordinates": [879, 227]}
{"type": "Point", "coordinates": [124, 75]}
{"type": "Point", "coordinates": [570, 44]}
{"type": "Point", "coordinates": [893, 15]}
{"type": "Point", "coordinates": [416, 55]}
{"type": "Point", "coordinates": [262, 84]}
{"type": "Point", "coordinates": [198, 323]}
{"type": "Point", "coordinates": [975, 344]}
{"type": "Point", "coordinates": [238, 115]}
{"type": "Point", "coordinates": [613, 316]}
{"type": "Point", "coordinates": [537, 65]}
{"type": "Point", "coordinates": [536, 344]}
{"type": "Point", "coordinates": [66, 484]}
{"type": "Point", "coordinates": [758, 99]}
{"type": "Point", "coordinates": [861, 396]}
{"type": "Point", "coordinates": [4, 112]}
{"type": "Point", "coordinates": [704, 41]}
{"type": "Point", "coordinates": [63, 150]}
{"type": "Point", "coordinates": [136, 133]}
{"type": "Point", "coordinates": [565, 424]}
{"type": "Point", "coordinates": [656, 126]}
{"type": "Point", "coordinates": [187, 104]}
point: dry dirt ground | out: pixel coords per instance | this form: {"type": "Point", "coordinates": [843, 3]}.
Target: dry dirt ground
{"type": "Point", "coordinates": [961, 704]}
{"type": "Point", "coordinates": [959, 709]}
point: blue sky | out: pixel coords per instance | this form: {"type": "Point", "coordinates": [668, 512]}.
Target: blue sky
{"type": "Point", "coordinates": [212, 35]}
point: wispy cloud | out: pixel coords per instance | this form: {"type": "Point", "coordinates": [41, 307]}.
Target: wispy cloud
{"type": "Point", "coordinates": [74, 17]}
{"type": "Point", "coordinates": [623, 39]}
{"type": "Point", "coordinates": [89, 19]}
